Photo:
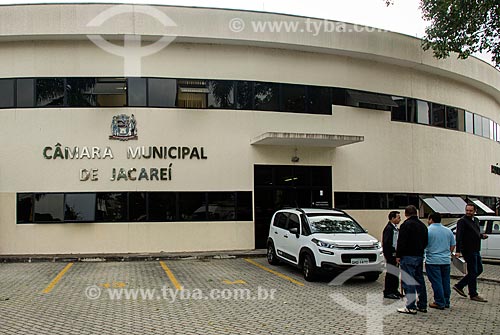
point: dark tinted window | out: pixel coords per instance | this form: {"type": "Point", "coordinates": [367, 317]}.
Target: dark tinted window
{"type": "Point", "coordinates": [137, 206]}
{"type": "Point", "coordinates": [452, 118]}
{"type": "Point", "coordinates": [438, 115]}
{"type": "Point", "coordinates": [284, 175]}
{"type": "Point", "coordinates": [319, 100]}
{"type": "Point", "coordinates": [293, 98]}
{"type": "Point", "coordinates": [6, 93]}
{"type": "Point", "coordinates": [136, 90]}
{"type": "Point", "coordinates": [111, 92]}
{"type": "Point", "coordinates": [25, 92]}
{"type": "Point", "coordinates": [375, 200]}
{"type": "Point", "coordinates": [399, 113]}
{"type": "Point", "coordinates": [244, 206]}
{"type": "Point", "coordinates": [263, 175]}
{"type": "Point", "coordinates": [293, 222]}
{"type": "Point", "coordinates": [25, 208]}
{"type": "Point", "coordinates": [192, 206]}
{"type": "Point", "coordinates": [339, 96]}
{"type": "Point", "coordinates": [266, 96]}
{"type": "Point", "coordinates": [162, 206]}
{"type": "Point", "coordinates": [220, 94]}
{"type": "Point", "coordinates": [111, 207]}
{"type": "Point", "coordinates": [221, 206]}
{"type": "Point", "coordinates": [80, 92]}
{"type": "Point", "coordinates": [49, 207]}
{"type": "Point", "coordinates": [192, 93]}
{"type": "Point", "coordinates": [411, 110]}
{"type": "Point", "coordinates": [162, 92]}
{"type": "Point", "coordinates": [80, 207]}
{"type": "Point", "coordinates": [301, 176]}
{"type": "Point", "coordinates": [50, 92]}
{"type": "Point", "coordinates": [280, 220]}
{"type": "Point", "coordinates": [244, 94]}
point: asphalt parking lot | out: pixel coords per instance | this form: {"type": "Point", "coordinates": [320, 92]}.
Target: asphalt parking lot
{"type": "Point", "coordinates": [217, 296]}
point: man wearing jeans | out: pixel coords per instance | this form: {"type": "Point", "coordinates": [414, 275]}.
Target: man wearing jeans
{"type": "Point", "coordinates": [412, 241]}
{"type": "Point", "coordinates": [469, 245]}
{"type": "Point", "coordinates": [437, 261]}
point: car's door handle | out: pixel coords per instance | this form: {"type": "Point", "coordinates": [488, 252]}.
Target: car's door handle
{"type": "Point", "coordinates": [285, 236]}
{"type": "Point", "coordinates": [276, 232]}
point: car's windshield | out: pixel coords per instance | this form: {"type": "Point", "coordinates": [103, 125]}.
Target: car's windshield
{"type": "Point", "coordinates": [331, 224]}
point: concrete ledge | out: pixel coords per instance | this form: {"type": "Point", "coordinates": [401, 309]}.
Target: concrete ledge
{"type": "Point", "coordinates": [131, 256]}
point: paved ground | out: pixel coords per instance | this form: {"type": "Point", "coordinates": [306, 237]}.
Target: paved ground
{"type": "Point", "coordinates": [209, 302]}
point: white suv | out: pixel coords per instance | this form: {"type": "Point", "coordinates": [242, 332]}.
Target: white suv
{"type": "Point", "coordinates": [322, 239]}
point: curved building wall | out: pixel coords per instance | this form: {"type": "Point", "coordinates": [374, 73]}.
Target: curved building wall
{"type": "Point", "coordinates": [49, 41]}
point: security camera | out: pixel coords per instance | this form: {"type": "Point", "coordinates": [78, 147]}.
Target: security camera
{"type": "Point", "coordinates": [295, 159]}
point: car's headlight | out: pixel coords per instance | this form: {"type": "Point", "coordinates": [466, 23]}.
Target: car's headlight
{"type": "Point", "coordinates": [377, 245]}
{"type": "Point", "coordinates": [323, 244]}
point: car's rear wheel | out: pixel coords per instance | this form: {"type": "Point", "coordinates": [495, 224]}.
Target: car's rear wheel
{"type": "Point", "coordinates": [309, 269]}
{"type": "Point", "coordinates": [271, 254]}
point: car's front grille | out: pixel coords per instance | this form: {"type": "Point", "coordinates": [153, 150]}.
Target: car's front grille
{"type": "Point", "coordinates": [357, 247]}
{"type": "Point", "coordinates": [346, 258]}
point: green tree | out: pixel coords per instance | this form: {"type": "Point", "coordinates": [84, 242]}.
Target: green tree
{"type": "Point", "coordinates": [461, 26]}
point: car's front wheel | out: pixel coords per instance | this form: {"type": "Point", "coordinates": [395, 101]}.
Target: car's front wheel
{"type": "Point", "coordinates": [309, 269]}
{"type": "Point", "coordinates": [271, 254]}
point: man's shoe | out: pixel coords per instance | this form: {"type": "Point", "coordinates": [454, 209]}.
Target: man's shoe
{"type": "Point", "coordinates": [423, 310]}
{"type": "Point", "coordinates": [405, 310]}
{"type": "Point", "coordinates": [436, 306]}
{"type": "Point", "coordinates": [459, 291]}
{"type": "Point", "coordinates": [391, 296]}
{"type": "Point", "coordinates": [478, 299]}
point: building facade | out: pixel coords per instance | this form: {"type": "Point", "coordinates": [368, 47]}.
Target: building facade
{"type": "Point", "coordinates": [155, 128]}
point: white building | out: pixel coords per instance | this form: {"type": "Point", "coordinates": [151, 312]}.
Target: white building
{"type": "Point", "coordinates": [193, 146]}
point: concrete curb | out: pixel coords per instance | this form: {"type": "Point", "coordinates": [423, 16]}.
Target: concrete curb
{"type": "Point", "coordinates": [132, 257]}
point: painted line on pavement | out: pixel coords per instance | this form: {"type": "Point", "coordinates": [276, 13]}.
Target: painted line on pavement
{"type": "Point", "coordinates": [171, 276]}
{"type": "Point", "coordinates": [53, 283]}
{"type": "Point", "coordinates": [251, 261]}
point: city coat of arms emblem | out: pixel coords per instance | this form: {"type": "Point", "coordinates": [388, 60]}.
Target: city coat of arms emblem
{"type": "Point", "coordinates": [123, 128]}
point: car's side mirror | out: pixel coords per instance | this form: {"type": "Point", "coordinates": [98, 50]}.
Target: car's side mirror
{"type": "Point", "coordinates": [294, 231]}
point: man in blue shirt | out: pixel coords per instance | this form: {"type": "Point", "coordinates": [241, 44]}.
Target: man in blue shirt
{"type": "Point", "coordinates": [437, 260]}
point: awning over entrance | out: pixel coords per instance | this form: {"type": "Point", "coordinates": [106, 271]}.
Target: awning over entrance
{"type": "Point", "coordinates": [446, 205]}
{"type": "Point", "coordinates": [483, 206]}
{"type": "Point", "coordinates": [306, 139]}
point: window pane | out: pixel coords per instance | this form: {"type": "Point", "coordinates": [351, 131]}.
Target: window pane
{"type": "Point", "coordinates": [342, 200]}
{"type": "Point", "coordinates": [50, 92]}
{"type": "Point", "coordinates": [80, 207]}
{"type": "Point", "coordinates": [263, 175]}
{"type": "Point", "coordinates": [111, 92]}
{"type": "Point", "coordinates": [137, 206]}
{"type": "Point", "coordinates": [498, 132]}
{"type": "Point", "coordinates": [244, 94]}
{"type": "Point", "coordinates": [266, 96]}
{"type": "Point", "coordinates": [192, 206]}
{"type": "Point", "coordinates": [411, 110]}
{"type": "Point", "coordinates": [221, 206]}
{"type": "Point", "coordinates": [111, 207]}
{"type": "Point", "coordinates": [162, 206]}
{"type": "Point", "coordinates": [301, 176]}
{"type": "Point", "coordinates": [80, 92]}
{"type": "Point", "coordinates": [339, 96]}
{"type": "Point", "coordinates": [136, 90]}
{"type": "Point", "coordinates": [6, 93]}
{"type": "Point", "coordinates": [451, 117]}
{"type": "Point", "coordinates": [25, 93]}
{"type": "Point", "coordinates": [220, 94]}
{"type": "Point", "coordinates": [469, 122]}
{"type": "Point", "coordinates": [478, 125]}
{"type": "Point", "coordinates": [49, 207]}
{"type": "Point", "coordinates": [399, 113]}
{"type": "Point", "coordinates": [438, 115]}
{"type": "Point", "coordinates": [423, 109]}
{"type": "Point", "coordinates": [319, 100]}
{"type": "Point", "coordinates": [492, 130]}
{"type": "Point", "coordinates": [244, 206]}
{"type": "Point", "coordinates": [24, 208]}
{"type": "Point", "coordinates": [293, 98]}
{"type": "Point", "coordinates": [162, 92]}
{"type": "Point", "coordinates": [192, 93]}
{"type": "Point", "coordinates": [486, 127]}
{"type": "Point", "coordinates": [284, 175]}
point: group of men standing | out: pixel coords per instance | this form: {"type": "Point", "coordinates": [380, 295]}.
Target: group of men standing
{"type": "Point", "coordinates": [407, 246]}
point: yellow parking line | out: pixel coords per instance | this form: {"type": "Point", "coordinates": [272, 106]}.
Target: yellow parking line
{"type": "Point", "coordinates": [57, 278]}
{"type": "Point", "coordinates": [274, 272]}
{"type": "Point", "coordinates": [170, 275]}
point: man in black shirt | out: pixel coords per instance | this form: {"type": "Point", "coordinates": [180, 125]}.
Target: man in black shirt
{"type": "Point", "coordinates": [389, 242]}
{"type": "Point", "coordinates": [469, 246]}
{"type": "Point", "coordinates": [412, 241]}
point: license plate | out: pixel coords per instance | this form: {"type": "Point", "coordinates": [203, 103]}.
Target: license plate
{"type": "Point", "coordinates": [357, 261]}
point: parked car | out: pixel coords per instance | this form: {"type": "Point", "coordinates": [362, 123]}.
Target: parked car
{"type": "Point", "coordinates": [316, 240]}
{"type": "Point", "coordinates": [490, 225]}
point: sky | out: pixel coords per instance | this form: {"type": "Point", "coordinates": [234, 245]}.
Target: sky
{"type": "Point", "coordinates": [404, 16]}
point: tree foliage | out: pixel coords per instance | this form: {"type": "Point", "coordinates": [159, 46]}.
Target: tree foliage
{"type": "Point", "coordinates": [461, 26]}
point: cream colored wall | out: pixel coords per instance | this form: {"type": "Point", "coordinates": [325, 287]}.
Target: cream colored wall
{"type": "Point", "coordinates": [373, 220]}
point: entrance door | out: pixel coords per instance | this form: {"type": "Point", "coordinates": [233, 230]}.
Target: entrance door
{"type": "Point", "coordinates": [281, 186]}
